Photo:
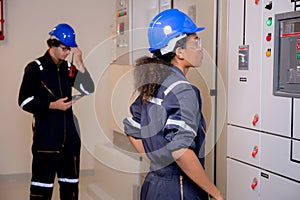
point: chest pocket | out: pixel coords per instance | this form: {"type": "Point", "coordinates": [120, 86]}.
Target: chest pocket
{"type": "Point", "coordinates": [64, 83]}
{"type": "Point", "coordinates": [43, 84]}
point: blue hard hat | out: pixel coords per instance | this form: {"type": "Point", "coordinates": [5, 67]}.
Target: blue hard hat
{"type": "Point", "coordinates": [167, 25]}
{"type": "Point", "coordinates": [65, 34]}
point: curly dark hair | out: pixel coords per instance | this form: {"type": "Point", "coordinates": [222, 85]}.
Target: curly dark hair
{"type": "Point", "coordinates": [150, 72]}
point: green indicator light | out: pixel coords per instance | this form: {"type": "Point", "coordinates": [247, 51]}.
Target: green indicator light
{"type": "Point", "coordinates": [269, 21]}
{"type": "Point", "coordinates": [298, 55]}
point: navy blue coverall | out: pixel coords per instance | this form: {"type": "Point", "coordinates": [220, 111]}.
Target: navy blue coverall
{"type": "Point", "coordinates": [56, 140]}
{"type": "Point", "coordinates": [170, 121]}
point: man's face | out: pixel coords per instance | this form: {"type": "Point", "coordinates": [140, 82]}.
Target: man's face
{"type": "Point", "coordinates": [61, 52]}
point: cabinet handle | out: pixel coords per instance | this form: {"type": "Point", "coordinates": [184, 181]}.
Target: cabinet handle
{"type": "Point", "coordinates": [255, 119]}
{"type": "Point", "coordinates": [254, 183]}
{"type": "Point", "coordinates": [255, 151]}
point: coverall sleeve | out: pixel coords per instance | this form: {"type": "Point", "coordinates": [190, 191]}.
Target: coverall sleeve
{"type": "Point", "coordinates": [84, 83]}
{"type": "Point", "coordinates": [183, 117]}
{"type": "Point", "coordinates": [29, 99]}
{"type": "Point", "coordinates": [132, 125]}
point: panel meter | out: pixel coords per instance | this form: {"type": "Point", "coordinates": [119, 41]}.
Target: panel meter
{"type": "Point", "coordinates": [244, 57]}
{"type": "Point", "coordinates": [286, 79]}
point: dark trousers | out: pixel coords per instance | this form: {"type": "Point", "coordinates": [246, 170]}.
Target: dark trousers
{"type": "Point", "coordinates": [46, 165]}
{"type": "Point", "coordinates": [164, 185]}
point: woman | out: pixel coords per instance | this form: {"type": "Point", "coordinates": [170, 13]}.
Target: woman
{"type": "Point", "coordinates": [167, 125]}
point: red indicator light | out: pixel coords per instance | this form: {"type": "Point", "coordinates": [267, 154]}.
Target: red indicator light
{"type": "Point", "coordinates": [269, 37]}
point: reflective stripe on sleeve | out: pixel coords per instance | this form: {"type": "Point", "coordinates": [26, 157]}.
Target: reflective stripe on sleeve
{"type": "Point", "coordinates": [39, 184]}
{"type": "Point", "coordinates": [182, 124]}
{"type": "Point", "coordinates": [68, 180]}
{"type": "Point", "coordinates": [26, 101]}
{"type": "Point", "coordinates": [134, 123]}
{"type": "Point", "coordinates": [83, 90]}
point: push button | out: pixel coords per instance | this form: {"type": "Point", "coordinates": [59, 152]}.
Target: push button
{"type": "Point", "coordinates": [269, 37]}
{"type": "Point", "coordinates": [269, 21]}
{"type": "Point", "coordinates": [268, 52]}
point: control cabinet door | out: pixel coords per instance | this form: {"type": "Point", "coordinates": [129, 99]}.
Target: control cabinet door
{"type": "Point", "coordinates": [296, 128]}
{"type": "Point", "coordinates": [278, 156]}
{"type": "Point", "coordinates": [275, 111]}
{"type": "Point", "coordinates": [242, 181]}
{"type": "Point", "coordinates": [276, 187]}
{"type": "Point", "coordinates": [244, 60]}
{"type": "Point", "coordinates": [243, 145]}
{"type": "Point", "coordinates": [296, 132]}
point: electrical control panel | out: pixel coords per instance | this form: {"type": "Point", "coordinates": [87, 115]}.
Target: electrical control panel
{"type": "Point", "coordinates": [122, 40]}
{"type": "Point", "coordinates": [132, 20]}
{"type": "Point", "coordinates": [286, 77]}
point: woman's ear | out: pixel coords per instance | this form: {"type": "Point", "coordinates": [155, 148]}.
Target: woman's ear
{"type": "Point", "coordinates": [180, 53]}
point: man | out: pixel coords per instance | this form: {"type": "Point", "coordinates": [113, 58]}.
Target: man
{"type": "Point", "coordinates": [46, 92]}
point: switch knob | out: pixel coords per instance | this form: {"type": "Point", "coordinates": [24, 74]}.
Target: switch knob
{"type": "Point", "coordinates": [269, 6]}
{"type": "Point", "coordinates": [255, 119]}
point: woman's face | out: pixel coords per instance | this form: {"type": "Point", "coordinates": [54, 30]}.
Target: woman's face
{"type": "Point", "coordinates": [193, 50]}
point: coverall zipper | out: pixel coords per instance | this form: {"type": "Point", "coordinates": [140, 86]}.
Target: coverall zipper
{"type": "Point", "coordinates": [181, 186]}
{"type": "Point", "coordinates": [47, 88]}
{"type": "Point", "coordinates": [61, 93]}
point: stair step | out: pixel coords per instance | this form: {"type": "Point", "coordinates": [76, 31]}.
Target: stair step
{"type": "Point", "coordinates": [86, 197]}
{"type": "Point", "coordinates": [97, 193]}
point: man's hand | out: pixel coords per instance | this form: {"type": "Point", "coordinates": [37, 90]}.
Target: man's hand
{"type": "Point", "coordinates": [78, 59]}
{"type": "Point", "coordinates": [61, 104]}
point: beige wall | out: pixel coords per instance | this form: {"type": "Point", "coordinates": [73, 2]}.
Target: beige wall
{"type": "Point", "coordinates": [27, 24]}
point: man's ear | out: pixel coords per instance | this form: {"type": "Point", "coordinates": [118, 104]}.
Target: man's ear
{"type": "Point", "coordinates": [180, 53]}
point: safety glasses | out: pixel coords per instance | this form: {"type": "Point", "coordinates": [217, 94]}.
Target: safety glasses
{"type": "Point", "coordinates": [64, 48]}
{"type": "Point", "coordinates": [194, 43]}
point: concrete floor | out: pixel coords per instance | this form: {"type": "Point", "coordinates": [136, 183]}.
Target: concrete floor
{"type": "Point", "coordinates": [17, 187]}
